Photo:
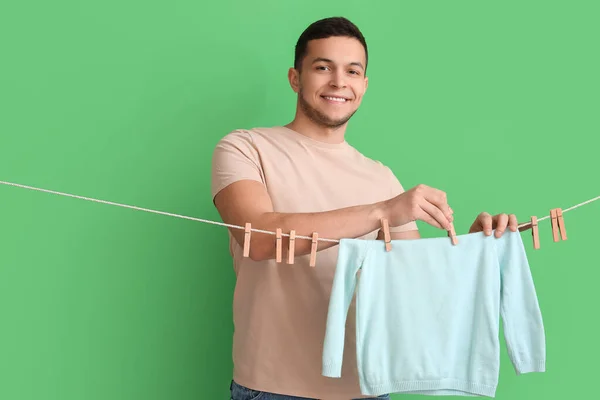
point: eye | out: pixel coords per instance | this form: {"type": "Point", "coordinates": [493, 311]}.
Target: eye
{"type": "Point", "coordinates": [354, 72]}
{"type": "Point", "coordinates": [321, 67]}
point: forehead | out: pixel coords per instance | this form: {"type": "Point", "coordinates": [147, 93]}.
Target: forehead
{"type": "Point", "coordinates": [341, 50]}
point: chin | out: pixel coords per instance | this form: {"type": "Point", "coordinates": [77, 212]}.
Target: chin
{"type": "Point", "coordinates": [336, 117]}
{"type": "Point", "coordinates": [336, 122]}
{"type": "Point", "coordinates": [325, 115]}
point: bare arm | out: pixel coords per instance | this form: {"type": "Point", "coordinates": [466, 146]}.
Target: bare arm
{"type": "Point", "coordinates": [248, 201]}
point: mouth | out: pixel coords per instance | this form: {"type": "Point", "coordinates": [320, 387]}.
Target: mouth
{"type": "Point", "coordinates": [335, 99]}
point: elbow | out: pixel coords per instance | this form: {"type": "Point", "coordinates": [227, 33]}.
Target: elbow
{"type": "Point", "coordinates": [259, 251]}
{"type": "Point", "coordinates": [256, 255]}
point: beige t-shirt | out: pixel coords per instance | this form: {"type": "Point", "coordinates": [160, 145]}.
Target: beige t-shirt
{"type": "Point", "coordinates": [280, 310]}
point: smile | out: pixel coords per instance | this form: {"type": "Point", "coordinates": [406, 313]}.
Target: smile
{"type": "Point", "coordinates": [335, 99]}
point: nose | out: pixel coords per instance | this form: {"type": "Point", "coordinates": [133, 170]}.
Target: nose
{"type": "Point", "coordinates": [337, 79]}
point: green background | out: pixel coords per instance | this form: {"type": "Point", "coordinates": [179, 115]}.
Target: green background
{"type": "Point", "coordinates": [495, 103]}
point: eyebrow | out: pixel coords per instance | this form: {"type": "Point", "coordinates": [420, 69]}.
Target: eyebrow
{"type": "Point", "coordinates": [355, 63]}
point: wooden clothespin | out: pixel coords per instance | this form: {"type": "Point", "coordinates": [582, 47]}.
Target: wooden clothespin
{"type": "Point", "coordinates": [535, 232]}
{"type": "Point", "coordinates": [247, 239]}
{"type": "Point", "coordinates": [561, 224]}
{"type": "Point", "coordinates": [558, 224]}
{"type": "Point", "coordinates": [452, 235]}
{"type": "Point", "coordinates": [313, 249]}
{"type": "Point", "coordinates": [554, 222]}
{"type": "Point", "coordinates": [386, 234]}
{"type": "Point", "coordinates": [290, 259]}
{"type": "Point", "coordinates": [278, 245]}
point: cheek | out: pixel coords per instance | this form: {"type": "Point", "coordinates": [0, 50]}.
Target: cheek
{"type": "Point", "coordinates": [312, 85]}
{"type": "Point", "coordinates": [359, 92]}
{"type": "Point", "coordinates": [306, 88]}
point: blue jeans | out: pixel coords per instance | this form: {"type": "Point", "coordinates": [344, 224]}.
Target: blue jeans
{"type": "Point", "coordinates": [239, 392]}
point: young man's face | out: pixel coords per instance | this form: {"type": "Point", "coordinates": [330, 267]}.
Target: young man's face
{"type": "Point", "coordinates": [332, 82]}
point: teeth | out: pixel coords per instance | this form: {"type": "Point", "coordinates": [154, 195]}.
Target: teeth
{"type": "Point", "coordinates": [340, 99]}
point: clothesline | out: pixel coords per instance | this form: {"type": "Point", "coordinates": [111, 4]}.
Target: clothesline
{"type": "Point", "coordinates": [222, 223]}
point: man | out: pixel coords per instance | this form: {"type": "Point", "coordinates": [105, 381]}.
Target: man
{"type": "Point", "coordinates": [305, 177]}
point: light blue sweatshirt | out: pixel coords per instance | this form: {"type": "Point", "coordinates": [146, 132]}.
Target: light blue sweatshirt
{"type": "Point", "coordinates": [428, 314]}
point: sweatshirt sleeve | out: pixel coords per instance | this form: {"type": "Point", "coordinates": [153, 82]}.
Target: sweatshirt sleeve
{"type": "Point", "coordinates": [350, 257]}
{"type": "Point", "coordinates": [519, 308]}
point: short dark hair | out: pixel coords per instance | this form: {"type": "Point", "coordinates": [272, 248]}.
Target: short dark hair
{"type": "Point", "coordinates": [324, 28]}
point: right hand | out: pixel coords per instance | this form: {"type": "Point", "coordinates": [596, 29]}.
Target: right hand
{"type": "Point", "coordinates": [423, 203]}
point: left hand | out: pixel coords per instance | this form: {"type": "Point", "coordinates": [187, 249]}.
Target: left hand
{"type": "Point", "coordinates": [486, 222]}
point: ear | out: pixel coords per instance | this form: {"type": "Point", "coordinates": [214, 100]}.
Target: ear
{"type": "Point", "coordinates": [366, 84]}
{"type": "Point", "coordinates": [294, 79]}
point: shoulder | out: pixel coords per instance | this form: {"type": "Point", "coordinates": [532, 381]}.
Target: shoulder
{"type": "Point", "coordinates": [240, 139]}
{"type": "Point", "coordinates": [249, 139]}
{"type": "Point", "coordinates": [248, 134]}
{"type": "Point", "coordinates": [235, 136]}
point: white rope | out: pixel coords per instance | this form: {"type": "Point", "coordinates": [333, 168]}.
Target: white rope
{"type": "Point", "coordinates": [564, 211]}
{"type": "Point", "coordinates": [159, 212]}
{"type": "Point", "coordinates": [222, 223]}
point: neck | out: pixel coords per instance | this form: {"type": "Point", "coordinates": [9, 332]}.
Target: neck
{"type": "Point", "coordinates": [309, 128]}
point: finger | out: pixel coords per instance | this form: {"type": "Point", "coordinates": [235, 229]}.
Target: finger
{"type": "Point", "coordinates": [475, 227]}
{"type": "Point", "coordinates": [512, 222]}
{"type": "Point", "coordinates": [501, 223]}
{"type": "Point", "coordinates": [440, 200]}
{"type": "Point", "coordinates": [441, 221]}
{"type": "Point", "coordinates": [426, 217]}
{"type": "Point", "coordinates": [485, 221]}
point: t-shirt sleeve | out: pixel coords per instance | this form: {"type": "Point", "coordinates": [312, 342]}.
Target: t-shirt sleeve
{"type": "Point", "coordinates": [396, 189]}
{"type": "Point", "coordinates": [235, 158]}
